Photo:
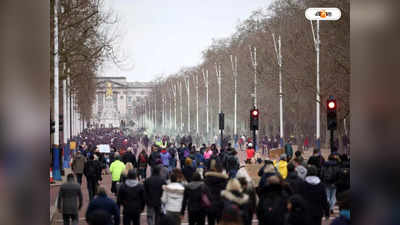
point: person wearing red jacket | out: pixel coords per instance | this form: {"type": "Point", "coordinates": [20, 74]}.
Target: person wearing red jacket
{"type": "Point", "coordinates": [250, 153]}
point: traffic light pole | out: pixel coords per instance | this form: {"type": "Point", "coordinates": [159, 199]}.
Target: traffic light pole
{"type": "Point", "coordinates": [332, 143]}
{"type": "Point", "coordinates": [255, 139]}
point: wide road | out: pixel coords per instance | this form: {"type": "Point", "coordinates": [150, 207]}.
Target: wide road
{"type": "Point", "coordinates": [57, 220]}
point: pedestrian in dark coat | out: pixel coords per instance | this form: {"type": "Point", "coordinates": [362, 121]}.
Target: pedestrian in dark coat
{"type": "Point", "coordinates": [315, 196]}
{"type": "Point", "coordinates": [344, 207]}
{"type": "Point", "coordinates": [153, 192]}
{"type": "Point", "coordinates": [142, 164]}
{"type": "Point", "coordinates": [70, 200]}
{"type": "Point", "coordinates": [129, 156]}
{"type": "Point", "coordinates": [272, 205]}
{"type": "Point", "coordinates": [192, 198]}
{"type": "Point", "coordinates": [131, 197]}
{"type": "Point", "coordinates": [317, 160]}
{"type": "Point", "coordinates": [233, 196]}
{"type": "Point", "coordinates": [297, 211]}
{"type": "Point", "coordinates": [92, 171]}
{"type": "Point", "coordinates": [253, 200]}
{"type": "Point", "coordinates": [103, 203]}
{"type": "Point", "coordinates": [215, 182]}
{"type": "Point", "coordinates": [188, 170]}
{"type": "Point", "coordinates": [296, 184]}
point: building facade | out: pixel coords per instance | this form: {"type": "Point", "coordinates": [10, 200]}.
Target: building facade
{"type": "Point", "coordinates": [117, 99]}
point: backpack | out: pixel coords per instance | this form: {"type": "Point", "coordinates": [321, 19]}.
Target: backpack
{"type": "Point", "coordinates": [329, 174]}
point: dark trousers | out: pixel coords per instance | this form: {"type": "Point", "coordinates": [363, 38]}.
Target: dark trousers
{"type": "Point", "coordinates": [315, 220]}
{"type": "Point", "coordinates": [176, 216]}
{"type": "Point", "coordinates": [129, 219]}
{"type": "Point", "coordinates": [73, 217]}
{"type": "Point", "coordinates": [92, 187]}
{"type": "Point", "coordinates": [142, 173]}
{"type": "Point", "coordinates": [196, 218]}
{"type": "Point", "coordinates": [212, 218]}
{"type": "Point", "coordinates": [79, 178]}
{"type": "Point", "coordinates": [153, 215]}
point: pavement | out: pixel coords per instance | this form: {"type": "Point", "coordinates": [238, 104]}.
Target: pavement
{"type": "Point", "coordinates": [56, 217]}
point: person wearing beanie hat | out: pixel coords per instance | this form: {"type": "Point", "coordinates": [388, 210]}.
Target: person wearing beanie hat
{"type": "Point", "coordinates": [282, 166]}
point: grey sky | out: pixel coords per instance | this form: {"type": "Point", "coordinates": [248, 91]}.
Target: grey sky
{"type": "Point", "coordinates": [162, 36]}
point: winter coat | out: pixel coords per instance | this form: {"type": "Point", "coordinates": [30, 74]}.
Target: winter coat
{"type": "Point", "coordinates": [333, 167]}
{"type": "Point", "coordinates": [188, 173]}
{"type": "Point", "coordinates": [143, 164]}
{"type": "Point", "coordinates": [315, 196]}
{"type": "Point", "coordinates": [153, 190]}
{"type": "Point", "coordinates": [172, 197]}
{"type": "Point", "coordinates": [296, 184]}
{"type": "Point", "coordinates": [272, 204]}
{"type": "Point", "coordinates": [116, 169]}
{"type": "Point", "coordinates": [250, 153]}
{"type": "Point", "coordinates": [102, 202]}
{"type": "Point", "coordinates": [215, 183]}
{"type": "Point", "coordinates": [92, 170]}
{"type": "Point", "coordinates": [233, 197]}
{"type": "Point", "coordinates": [282, 168]}
{"type": "Point", "coordinates": [289, 150]}
{"type": "Point", "coordinates": [165, 157]}
{"type": "Point", "coordinates": [70, 198]}
{"type": "Point", "coordinates": [301, 171]}
{"type": "Point", "coordinates": [131, 196]}
{"type": "Point", "coordinates": [78, 164]}
{"type": "Point", "coordinates": [207, 154]}
{"type": "Point", "coordinates": [193, 196]}
{"type": "Point", "coordinates": [253, 202]}
{"type": "Point", "coordinates": [265, 172]}
{"type": "Point", "coordinates": [129, 157]}
{"type": "Point", "coordinates": [154, 157]}
{"type": "Point", "coordinates": [317, 161]}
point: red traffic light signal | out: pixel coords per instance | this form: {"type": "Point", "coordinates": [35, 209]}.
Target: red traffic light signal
{"type": "Point", "coordinates": [331, 104]}
{"type": "Point", "coordinates": [254, 113]}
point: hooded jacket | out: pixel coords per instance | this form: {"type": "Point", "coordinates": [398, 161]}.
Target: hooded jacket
{"type": "Point", "coordinates": [172, 196]}
{"type": "Point", "coordinates": [301, 171]}
{"type": "Point", "coordinates": [106, 204]}
{"type": "Point", "coordinates": [272, 205]}
{"type": "Point", "coordinates": [233, 196]}
{"type": "Point", "coordinates": [131, 196]}
{"type": "Point", "coordinates": [315, 196]}
{"type": "Point", "coordinates": [295, 183]}
{"type": "Point", "coordinates": [192, 196]}
{"type": "Point", "coordinates": [282, 168]}
{"type": "Point", "coordinates": [215, 183]}
{"type": "Point", "coordinates": [153, 190]}
{"type": "Point", "coordinates": [165, 157]}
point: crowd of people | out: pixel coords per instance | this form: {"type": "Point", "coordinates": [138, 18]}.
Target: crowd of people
{"type": "Point", "coordinates": [204, 182]}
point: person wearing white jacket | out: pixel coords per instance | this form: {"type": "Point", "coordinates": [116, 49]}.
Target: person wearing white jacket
{"type": "Point", "coordinates": [172, 198]}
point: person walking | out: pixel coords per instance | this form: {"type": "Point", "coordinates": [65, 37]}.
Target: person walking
{"type": "Point", "coordinates": [215, 182]}
{"type": "Point", "coordinates": [317, 160]}
{"type": "Point", "coordinates": [193, 200]}
{"type": "Point", "coordinates": [102, 203]}
{"type": "Point", "coordinates": [129, 156]}
{"type": "Point", "coordinates": [188, 170]}
{"type": "Point", "coordinates": [142, 164]}
{"type": "Point", "coordinates": [116, 169]}
{"type": "Point", "coordinates": [70, 200]}
{"type": "Point", "coordinates": [282, 166]}
{"type": "Point", "coordinates": [233, 196]}
{"type": "Point", "coordinates": [78, 164]}
{"type": "Point", "coordinates": [153, 192]}
{"type": "Point", "coordinates": [250, 153]}
{"type": "Point", "coordinates": [315, 196]}
{"type": "Point", "coordinates": [329, 174]}
{"type": "Point", "coordinates": [92, 171]}
{"type": "Point", "coordinates": [172, 197]}
{"type": "Point", "coordinates": [131, 197]}
{"type": "Point", "coordinates": [289, 150]}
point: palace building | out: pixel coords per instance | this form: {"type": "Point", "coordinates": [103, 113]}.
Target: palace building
{"type": "Point", "coordinates": [116, 100]}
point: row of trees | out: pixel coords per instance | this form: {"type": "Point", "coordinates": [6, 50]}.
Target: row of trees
{"type": "Point", "coordinates": [86, 38]}
{"type": "Point", "coordinates": [285, 18]}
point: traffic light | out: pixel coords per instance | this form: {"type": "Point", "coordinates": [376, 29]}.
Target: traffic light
{"type": "Point", "coordinates": [52, 126]}
{"type": "Point", "coordinates": [254, 114]}
{"type": "Point", "coordinates": [331, 113]}
{"type": "Point", "coordinates": [60, 123]}
{"type": "Point", "coordinates": [221, 120]}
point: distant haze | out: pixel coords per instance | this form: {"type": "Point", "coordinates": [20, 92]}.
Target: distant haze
{"type": "Point", "coordinates": [162, 36]}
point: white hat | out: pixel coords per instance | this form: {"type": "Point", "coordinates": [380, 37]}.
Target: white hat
{"type": "Point", "coordinates": [250, 145]}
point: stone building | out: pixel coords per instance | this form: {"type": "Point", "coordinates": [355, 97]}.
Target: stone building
{"type": "Point", "coordinates": [117, 99]}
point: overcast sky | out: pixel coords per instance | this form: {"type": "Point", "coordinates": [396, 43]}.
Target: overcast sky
{"type": "Point", "coordinates": [162, 36]}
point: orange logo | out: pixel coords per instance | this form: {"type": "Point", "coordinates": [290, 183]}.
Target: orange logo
{"type": "Point", "coordinates": [322, 14]}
